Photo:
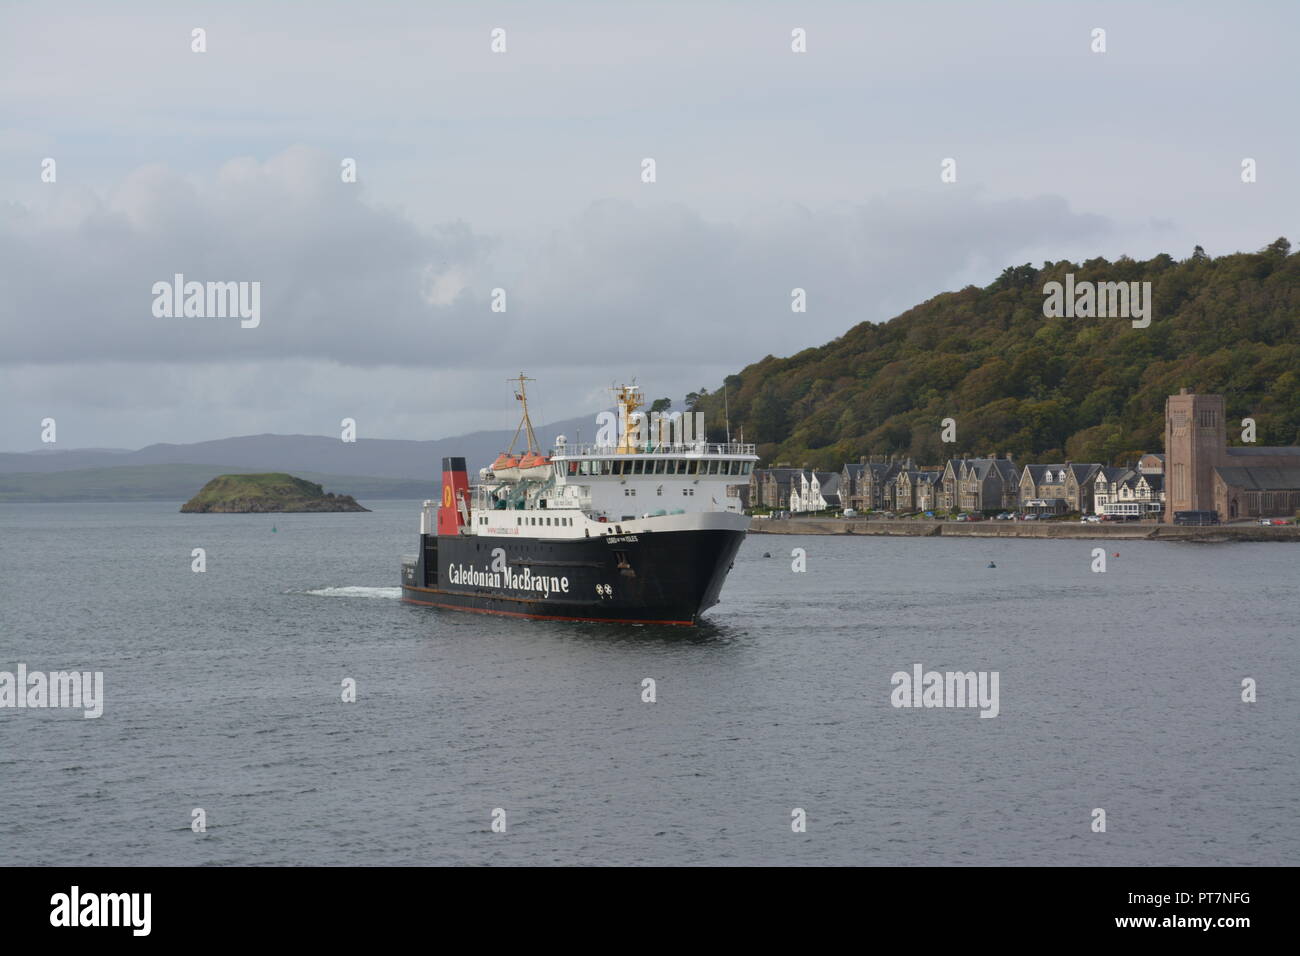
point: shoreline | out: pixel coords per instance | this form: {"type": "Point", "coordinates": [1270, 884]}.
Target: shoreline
{"type": "Point", "coordinates": [1025, 529]}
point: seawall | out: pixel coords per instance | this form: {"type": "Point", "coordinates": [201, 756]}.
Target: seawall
{"type": "Point", "coordinates": [1025, 529]}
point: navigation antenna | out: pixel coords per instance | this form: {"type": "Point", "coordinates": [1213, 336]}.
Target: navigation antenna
{"type": "Point", "coordinates": [525, 423]}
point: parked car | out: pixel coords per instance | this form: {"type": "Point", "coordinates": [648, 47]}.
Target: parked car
{"type": "Point", "coordinates": [850, 513]}
{"type": "Point", "coordinates": [1029, 517]}
{"type": "Point", "coordinates": [1090, 519]}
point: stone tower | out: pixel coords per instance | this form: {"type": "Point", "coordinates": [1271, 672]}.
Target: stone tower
{"type": "Point", "coordinates": [1195, 443]}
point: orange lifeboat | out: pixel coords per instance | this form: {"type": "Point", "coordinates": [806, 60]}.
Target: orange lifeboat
{"type": "Point", "coordinates": [534, 467]}
{"type": "Point", "coordinates": [506, 467]}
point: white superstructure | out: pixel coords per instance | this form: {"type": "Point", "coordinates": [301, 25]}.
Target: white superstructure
{"type": "Point", "coordinates": [625, 487]}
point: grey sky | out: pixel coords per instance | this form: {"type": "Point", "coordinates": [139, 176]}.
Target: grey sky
{"type": "Point", "coordinates": [522, 170]}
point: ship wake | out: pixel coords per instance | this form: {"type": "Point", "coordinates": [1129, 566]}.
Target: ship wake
{"type": "Point", "coordinates": [391, 594]}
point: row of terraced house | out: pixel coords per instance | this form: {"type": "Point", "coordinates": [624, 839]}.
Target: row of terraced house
{"type": "Point", "coordinates": [1206, 476]}
{"type": "Point", "coordinates": [991, 484]}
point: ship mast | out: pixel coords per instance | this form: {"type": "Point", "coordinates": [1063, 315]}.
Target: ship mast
{"type": "Point", "coordinates": [525, 423]}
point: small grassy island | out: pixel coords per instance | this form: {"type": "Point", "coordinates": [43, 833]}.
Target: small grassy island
{"type": "Point", "coordinates": [273, 492]}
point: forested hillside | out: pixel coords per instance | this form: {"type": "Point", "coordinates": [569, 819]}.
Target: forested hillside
{"type": "Point", "coordinates": [1086, 389]}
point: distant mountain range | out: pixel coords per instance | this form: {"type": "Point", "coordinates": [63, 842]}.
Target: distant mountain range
{"type": "Point", "coordinates": [367, 468]}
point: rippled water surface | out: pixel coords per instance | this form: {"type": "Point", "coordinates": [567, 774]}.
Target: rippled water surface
{"type": "Point", "coordinates": [1119, 690]}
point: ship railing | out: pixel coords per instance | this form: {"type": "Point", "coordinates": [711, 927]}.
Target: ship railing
{"type": "Point", "coordinates": [694, 448]}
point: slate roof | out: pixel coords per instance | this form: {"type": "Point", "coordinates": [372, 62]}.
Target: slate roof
{"type": "Point", "coordinates": [1263, 478]}
{"type": "Point", "coordinates": [1116, 473]}
{"type": "Point", "coordinates": [1082, 472]}
{"type": "Point", "coordinates": [983, 467]}
{"type": "Point", "coordinates": [782, 475]}
{"type": "Point", "coordinates": [1246, 452]}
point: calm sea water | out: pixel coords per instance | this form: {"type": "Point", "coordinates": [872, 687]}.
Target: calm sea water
{"type": "Point", "coordinates": [1119, 690]}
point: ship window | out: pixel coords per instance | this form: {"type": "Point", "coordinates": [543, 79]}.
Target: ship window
{"type": "Point", "coordinates": [659, 466]}
{"type": "Point", "coordinates": [618, 466]}
{"type": "Point", "coordinates": [518, 521]}
{"type": "Point", "coordinates": [692, 467]}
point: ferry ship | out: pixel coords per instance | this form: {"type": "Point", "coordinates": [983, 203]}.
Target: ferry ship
{"type": "Point", "coordinates": [642, 528]}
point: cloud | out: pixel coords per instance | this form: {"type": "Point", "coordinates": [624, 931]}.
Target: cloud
{"type": "Point", "coordinates": [358, 284]}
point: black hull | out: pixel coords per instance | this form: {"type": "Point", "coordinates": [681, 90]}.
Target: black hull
{"type": "Point", "coordinates": [653, 578]}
